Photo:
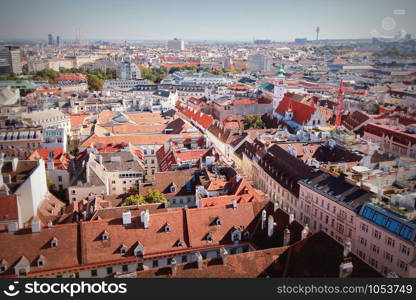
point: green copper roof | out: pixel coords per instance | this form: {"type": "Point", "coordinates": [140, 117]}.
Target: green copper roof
{"type": "Point", "coordinates": [24, 84]}
{"type": "Point", "coordinates": [281, 72]}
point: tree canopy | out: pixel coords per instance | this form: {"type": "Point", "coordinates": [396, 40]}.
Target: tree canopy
{"type": "Point", "coordinates": [253, 122]}
{"type": "Point", "coordinates": [152, 196]}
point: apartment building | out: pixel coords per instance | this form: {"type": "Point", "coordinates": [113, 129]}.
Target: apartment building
{"type": "Point", "coordinates": [380, 236]}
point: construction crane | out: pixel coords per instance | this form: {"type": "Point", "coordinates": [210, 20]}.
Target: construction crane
{"type": "Point", "coordinates": [341, 92]}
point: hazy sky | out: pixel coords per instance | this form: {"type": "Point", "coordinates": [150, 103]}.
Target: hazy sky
{"type": "Point", "coordinates": [205, 19]}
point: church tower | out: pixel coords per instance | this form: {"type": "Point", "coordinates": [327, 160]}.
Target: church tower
{"type": "Point", "coordinates": [279, 89]}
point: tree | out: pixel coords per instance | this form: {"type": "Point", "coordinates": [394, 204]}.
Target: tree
{"type": "Point", "coordinates": [73, 150]}
{"type": "Point", "coordinates": [253, 122]}
{"type": "Point", "coordinates": [154, 196]}
{"type": "Point", "coordinates": [94, 83]}
{"type": "Point", "coordinates": [134, 200]}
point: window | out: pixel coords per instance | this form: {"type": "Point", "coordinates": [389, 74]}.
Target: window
{"type": "Point", "coordinates": [377, 234]}
{"type": "Point", "coordinates": [340, 228]}
{"type": "Point", "coordinates": [61, 187]}
{"type": "Point", "coordinates": [402, 265]}
{"type": "Point", "coordinates": [375, 248]}
{"type": "Point", "coordinates": [361, 254]}
{"type": "Point", "coordinates": [109, 270]}
{"type": "Point", "coordinates": [388, 256]}
{"type": "Point", "coordinates": [364, 227]}
{"type": "Point", "coordinates": [405, 250]}
{"type": "Point", "coordinates": [184, 258]}
{"type": "Point", "coordinates": [373, 263]}
{"type": "Point", "coordinates": [390, 242]}
{"type": "Point", "coordinates": [125, 268]}
{"type": "Point", "coordinates": [167, 228]}
{"type": "Point", "coordinates": [363, 241]}
{"type": "Point", "coordinates": [94, 273]}
{"type": "Point", "coordinates": [155, 263]}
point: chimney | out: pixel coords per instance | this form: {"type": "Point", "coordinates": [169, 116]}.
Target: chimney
{"type": "Point", "coordinates": [145, 218]}
{"type": "Point", "coordinates": [224, 255]}
{"type": "Point", "coordinates": [15, 161]}
{"type": "Point", "coordinates": [13, 227]}
{"type": "Point", "coordinates": [36, 226]}
{"type": "Point", "coordinates": [263, 219]}
{"type": "Point", "coordinates": [305, 232]}
{"type": "Point", "coordinates": [234, 203]}
{"type": "Point", "coordinates": [286, 237]}
{"type": "Point", "coordinates": [199, 259]}
{"type": "Point", "coordinates": [270, 225]}
{"type": "Point", "coordinates": [173, 266]}
{"type": "Point", "coordinates": [126, 218]}
{"type": "Point", "coordinates": [346, 268]}
{"type": "Point", "coordinates": [347, 248]}
{"type": "Point", "coordinates": [275, 205]}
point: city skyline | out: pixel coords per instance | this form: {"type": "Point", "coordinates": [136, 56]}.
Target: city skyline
{"type": "Point", "coordinates": [162, 20]}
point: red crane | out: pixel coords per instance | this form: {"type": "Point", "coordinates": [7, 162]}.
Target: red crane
{"type": "Point", "coordinates": [341, 92]}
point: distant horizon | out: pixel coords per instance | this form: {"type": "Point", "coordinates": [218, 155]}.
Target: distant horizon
{"type": "Point", "coordinates": [231, 20]}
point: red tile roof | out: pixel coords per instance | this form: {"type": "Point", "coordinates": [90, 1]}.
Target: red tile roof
{"type": "Point", "coordinates": [60, 158]}
{"type": "Point", "coordinates": [78, 120]}
{"type": "Point", "coordinates": [202, 119]}
{"type": "Point", "coordinates": [302, 112]}
{"type": "Point", "coordinates": [8, 208]}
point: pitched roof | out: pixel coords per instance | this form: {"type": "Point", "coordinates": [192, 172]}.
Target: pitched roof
{"type": "Point", "coordinates": [60, 158]}
{"type": "Point", "coordinates": [244, 265]}
{"type": "Point", "coordinates": [8, 208]}
{"type": "Point", "coordinates": [302, 112]}
{"type": "Point", "coordinates": [305, 259]}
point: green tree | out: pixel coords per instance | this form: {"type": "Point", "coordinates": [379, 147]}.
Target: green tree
{"type": "Point", "coordinates": [134, 200]}
{"type": "Point", "coordinates": [154, 196]}
{"type": "Point", "coordinates": [253, 122]}
{"type": "Point", "coordinates": [94, 82]}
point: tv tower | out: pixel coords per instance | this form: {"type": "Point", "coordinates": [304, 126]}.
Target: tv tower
{"type": "Point", "coordinates": [317, 33]}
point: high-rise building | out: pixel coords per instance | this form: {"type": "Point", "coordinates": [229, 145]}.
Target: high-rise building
{"type": "Point", "coordinates": [260, 63]}
{"type": "Point", "coordinates": [58, 40]}
{"type": "Point", "coordinates": [176, 44]}
{"type": "Point", "coordinates": [10, 61]}
{"type": "Point", "coordinates": [50, 39]}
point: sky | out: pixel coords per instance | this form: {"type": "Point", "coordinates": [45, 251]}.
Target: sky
{"type": "Point", "coordinates": [245, 20]}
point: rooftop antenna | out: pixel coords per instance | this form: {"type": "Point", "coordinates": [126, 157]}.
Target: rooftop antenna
{"type": "Point", "coordinates": [317, 33]}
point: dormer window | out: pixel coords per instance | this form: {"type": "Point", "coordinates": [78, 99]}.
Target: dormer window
{"type": "Point", "coordinates": [209, 238]}
{"type": "Point", "coordinates": [246, 235]}
{"type": "Point", "coordinates": [105, 236]}
{"type": "Point", "coordinates": [167, 228]}
{"type": "Point", "coordinates": [173, 188]}
{"type": "Point", "coordinates": [218, 221]}
{"type": "Point", "coordinates": [139, 251]}
{"type": "Point", "coordinates": [179, 244]}
{"type": "Point", "coordinates": [3, 265]}
{"type": "Point", "coordinates": [41, 261]}
{"type": "Point", "coordinates": [123, 250]}
{"type": "Point", "coordinates": [236, 235]}
{"type": "Point", "coordinates": [54, 242]}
